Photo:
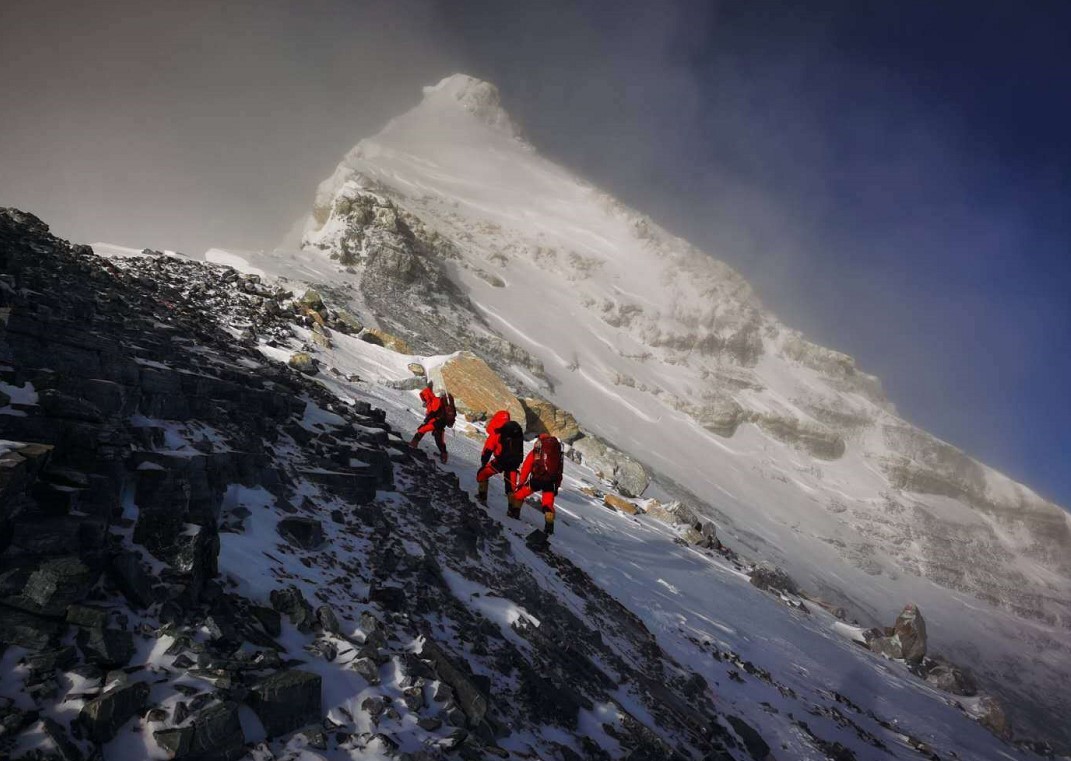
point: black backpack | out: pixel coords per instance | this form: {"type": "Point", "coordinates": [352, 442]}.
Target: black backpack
{"type": "Point", "coordinates": [511, 445]}
{"type": "Point", "coordinates": [448, 410]}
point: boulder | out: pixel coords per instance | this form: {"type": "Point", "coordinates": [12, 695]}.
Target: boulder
{"type": "Point", "coordinates": [470, 697]}
{"type": "Point", "coordinates": [214, 734]}
{"type": "Point", "coordinates": [478, 391]}
{"type": "Point", "coordinates": [269, 619]}
{"type": "Point", "coordinates": [311, 299]}
{"type": "Point", "coordinates": [26, 630]}
{"type": "Point", "coordinates": [195, 554]}
{"type": "Point", "coordinates": [327, 619]}
{"type": "Point", "coordinates": [286, 701]}
{"type": "Point", "coordinates": [50, 660]}
{"type": "Point", "coordinates": [351, 323]}
{"type": "Point", "coordinates": [756, 747]}
{"type": "Point", "coordinates": [19, 466]}
{"type": "Point", "coordinates": [87, 616]}
{"type": "Point", "coordinates": [702, 534]}
{"type": "Point", "coordinates": [417, 369]}
{"type": "Point", "coordinates": [66, 750]}
{"type": "Point", "coordinates": [620, 504]}
{"type": "Point", "coordinates": [304, 362]}
{"type": "Point", "coordinates": [292, 604]}
{"type": "Point", "coordinates": [306, 533]}
{"type": "Point", "coordinates": [658, 511]}
{"type": "Point", "coordinates": [367, 668]}
{"type": "Point", "coordinates": [102, 717]}
{"type": "Point", "coordinates": [133, 579]}
{"type": "Point", "coordinates": [111, 648]}
{"type": "Point", "coordinates": [544, 417]}
{"type": "Point", "coordinates": [952, 679]}
{"type": "Point", "coordinates": [387, 340]}
{"type": "Point", "coordinates": [883, 644]}
{"type": "Point", "coordinates": [910, 628]}
{"type": "Point", "coordinates": [768, 577]}
{"type": "Point", "coordinates": [57, 583]}
{"type": "Point", "coordinates": [991, 715]}
{"type": "Point", "coordinates": [627, 475]}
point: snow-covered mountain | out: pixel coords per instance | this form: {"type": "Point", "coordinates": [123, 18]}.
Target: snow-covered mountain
{"type": "Point", "coordinates": [449, 229]}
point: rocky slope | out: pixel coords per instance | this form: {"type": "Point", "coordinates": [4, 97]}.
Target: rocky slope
{"type": "Point", "coordinates": [448, 229]}
{"type": "Point", "coordinates": [157, 439]}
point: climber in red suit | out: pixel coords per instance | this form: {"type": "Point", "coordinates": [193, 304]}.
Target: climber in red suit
{"type": "Point", "coordinates": [439, 414]}
{"type": "Point", "coordinates": [542, 471]}
{"type": "Point", "coordinates": [502, 453]}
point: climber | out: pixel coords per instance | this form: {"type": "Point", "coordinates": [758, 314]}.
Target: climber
{"type": "Point", "coordinates": [502, 453]}
{"type": "Point", "coordinates": [542, 471]}
{"type": "Point", "coordinates": [440, 414]}
{"type": "Point", "coordinates": [491, 444]}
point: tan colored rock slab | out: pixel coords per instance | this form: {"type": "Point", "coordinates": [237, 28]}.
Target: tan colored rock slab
{"type": "Point", "coordinates": [544, 417]}
{"type": "Point", "coordinates": [478, 390]}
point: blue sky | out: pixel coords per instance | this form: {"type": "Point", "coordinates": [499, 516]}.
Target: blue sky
{"type": "Point", "coordinates": [893, 178]}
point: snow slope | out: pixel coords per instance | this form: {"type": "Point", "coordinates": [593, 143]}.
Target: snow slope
{"type": "Point", "coordinates": [695, 603]}
{"type": "Point", "coordinates": [665, 352]}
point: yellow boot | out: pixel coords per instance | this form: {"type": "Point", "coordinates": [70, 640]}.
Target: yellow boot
{"type": "Point", "coordinates": [548, 525]}
{"type": "Point", "coordinates": [481, 492]}
{"type": "Point", "coordinates": [514, 509]}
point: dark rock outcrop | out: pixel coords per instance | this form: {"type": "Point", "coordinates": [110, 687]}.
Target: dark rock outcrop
{"type": "Point", "coordinates": [951, 679]}
{"type": "Point", "coordinates": [292, 604]}
{"type": "Point", "coordinates": [905, 640]}
{"type": "Point", "coordinates": [213, 734]}
{"type": "Point", "coordinates": [287, 700]}
{"type": "Point", "coordinates": [305, 533]}
{"type": "Point", "coordinates": [102, 717]}
{"type": "Point", "coordinates": [770, 578]}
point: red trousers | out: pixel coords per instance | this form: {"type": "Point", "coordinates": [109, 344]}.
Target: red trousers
{"type": "Point", "coordinates": [490, 469]}
{"type": "Point", "coordinates": [526, 491]}
{"type": "Point", "coordinates": [437, 432]}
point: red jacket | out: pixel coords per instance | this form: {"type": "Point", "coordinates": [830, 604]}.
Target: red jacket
{"type": "Point", "coordinates": [427, 396]}
{"type": "Point", "coordinates": [492, 447]}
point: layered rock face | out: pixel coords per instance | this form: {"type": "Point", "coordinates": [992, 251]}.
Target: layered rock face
{"type": "Point", "coordinates": [665, 351]}
{"type": "Point", "coordinates": [137, 417]}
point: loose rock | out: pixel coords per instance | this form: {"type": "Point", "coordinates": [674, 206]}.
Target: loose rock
{"type": "Point", "coordinates": [103, 717]}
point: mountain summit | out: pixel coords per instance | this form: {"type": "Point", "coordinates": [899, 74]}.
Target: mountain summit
{"type": "Point", "coordinates": [458, 235]}
{"type": "Point", "coordinates": [479, 98]}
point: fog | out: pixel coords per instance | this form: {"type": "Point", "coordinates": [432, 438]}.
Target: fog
{"type": "Point", "coordinates": [879, 176]}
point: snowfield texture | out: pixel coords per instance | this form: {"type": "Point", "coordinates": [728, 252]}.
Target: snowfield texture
{"type": "Point", "coordinates": [774, 665]}
{"type": "Point", "coordinates": [450, 230]}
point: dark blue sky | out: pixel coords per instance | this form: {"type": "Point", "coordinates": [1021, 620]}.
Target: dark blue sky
{"type": "Point", "coordinates": [893, 178]}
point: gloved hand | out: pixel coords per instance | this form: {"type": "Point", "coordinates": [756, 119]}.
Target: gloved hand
{"type": "Point", "coordinates": [485, 457]}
